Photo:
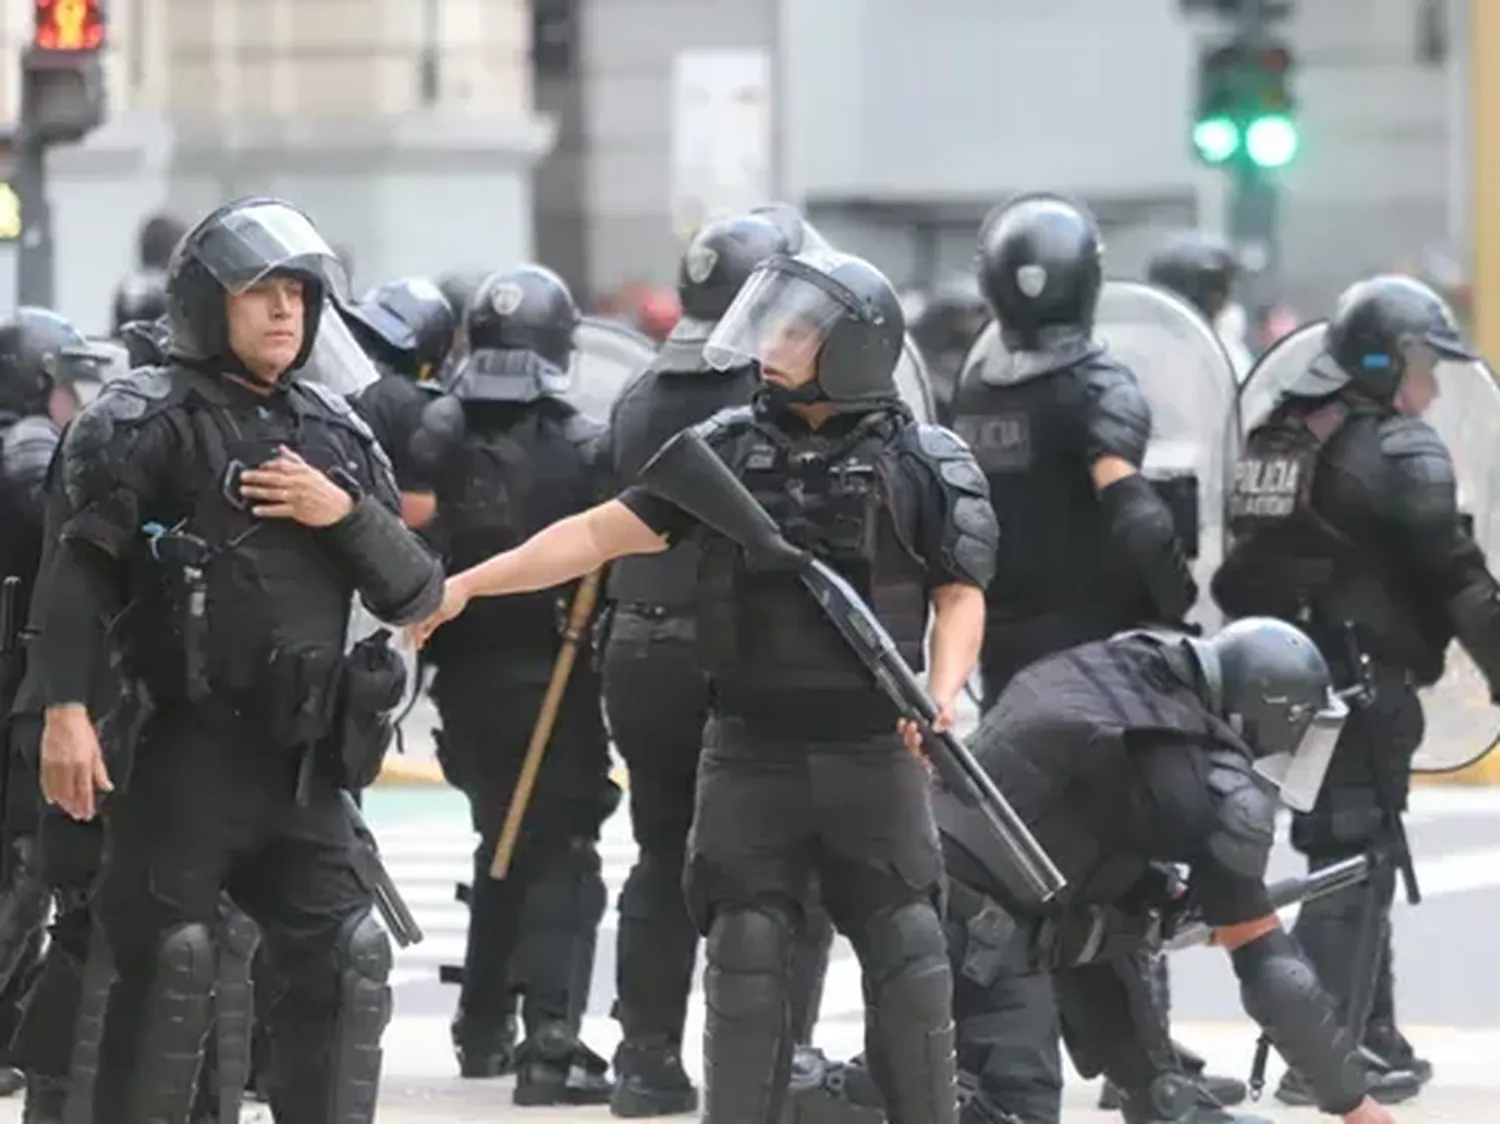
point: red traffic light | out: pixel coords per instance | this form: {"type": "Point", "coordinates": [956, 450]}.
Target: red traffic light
{"type": "Point", "coordinates": [1275, 60]}
{"type": "Point", "coordinates": [68, 25]}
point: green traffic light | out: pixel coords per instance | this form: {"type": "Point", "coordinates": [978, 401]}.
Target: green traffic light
{"type": "Point", "coordinates": [1216, 139]}
{"type": "Point", "coordinates": [1272, 141]}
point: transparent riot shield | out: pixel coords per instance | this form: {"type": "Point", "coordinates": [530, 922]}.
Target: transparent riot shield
{"type": "Point", "coordinates": [1189, 380]}
{"type": "Point", "coordinates": [606, 356]}
{"type": "Point", "coordinates": [915, 383]}
{"type": "Point", "coordinates": [336, 360]}
{"type": "Point", "coordinates": [1462, 724]}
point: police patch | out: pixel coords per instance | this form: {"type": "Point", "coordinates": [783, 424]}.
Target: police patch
{"type": "Point", "coordinates": [1001, 443]}
{"type": "Point", "coordinates": [699, 263]}
{"type": "Point", "coordinates": [507, 298]}
{"type": "Point", "coordinates": [1031, 280]}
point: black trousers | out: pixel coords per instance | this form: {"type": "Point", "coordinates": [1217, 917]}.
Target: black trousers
{"type": "Point", "coordinates": [531, 935]}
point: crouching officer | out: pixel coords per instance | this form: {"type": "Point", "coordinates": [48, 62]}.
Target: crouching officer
{"type": "Point", "coordinates": [1123, 755]}
{"type": "Point", "coordinates": [1344, 517]}
{"type": "Point", "coordinates": [223, 512]}
{"type": "Point", "coordinates": [508, 456]}
{"type": "Point", "coordinates": [803, 770]}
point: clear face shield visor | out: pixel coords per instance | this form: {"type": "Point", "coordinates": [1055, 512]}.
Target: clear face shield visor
{"type": "Point", "coordinates": [244, 247]}
{"type": "Point", "coordinates": [1298, 774]}
{"type": "Point", "coordinates": [780, 320]}
{"type": "Point", "coordinates": [336, 360]}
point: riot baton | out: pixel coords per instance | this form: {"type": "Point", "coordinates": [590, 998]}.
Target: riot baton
{"type": "Point", "coordinates": [1296, 890]}
{"type": "Point", "coordinates": [690, 475]}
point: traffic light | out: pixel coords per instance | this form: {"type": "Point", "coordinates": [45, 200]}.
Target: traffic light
{"type": "Point", "coordinates": [62, 92]}
{"type": "Point", "coordinates": [1246, 113]}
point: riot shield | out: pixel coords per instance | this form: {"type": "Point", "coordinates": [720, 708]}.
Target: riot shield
{"type": "Point", "coordinates": [915, 384]}
{"type": "Point", "coordinates": [1184, 372]}
{"type": "Point", "coordinates": [1462, 724]}
{"type": "Point", "coordinates": [336, 360]}
{"type": "Point", "coordinates": [606, 356]}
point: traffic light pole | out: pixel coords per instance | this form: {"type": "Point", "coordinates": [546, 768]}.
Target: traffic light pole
{"type": "Point", "coordinates": [35, 260]}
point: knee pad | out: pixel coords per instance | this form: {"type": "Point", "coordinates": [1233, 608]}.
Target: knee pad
{"type": "Point", "coordinates": [187, 956]}
{"type": "Point", "coordinates": [749, 954]}
{"type": "Point", "coordinates": [364, 950]}
{"type": "Point", "coordinates": [904, 942]}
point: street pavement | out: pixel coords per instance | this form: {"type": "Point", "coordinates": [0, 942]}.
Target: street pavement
{"type": "Point", "coordinates": [1448, 995]}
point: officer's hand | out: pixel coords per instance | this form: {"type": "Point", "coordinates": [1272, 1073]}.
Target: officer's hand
{"type": "Point", "coordinates": [911, 732]}
{"type": "Point", "coordinates": [290, 488]}
{"type": "Point", "coordinates": [455, 600]}
{"type": "Point", "coordinates": [1370, 1111]}
{"type": "Point", "coordinates": [72, 762]}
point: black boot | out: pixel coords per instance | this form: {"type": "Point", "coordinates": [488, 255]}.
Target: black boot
{"type": "Point", "coordinates": [45, 1099]}
{"type": "Point", "coordinates": [484, 1051]}
{"type": "Point", "coordinates": [1388, 1086]}
{"type": "Point", "coordinates": [650, 1080]}
{"type": "Point", "coordinates": [554, 1068]}
{"type": "Point", "coordinates": [1382, 1036]}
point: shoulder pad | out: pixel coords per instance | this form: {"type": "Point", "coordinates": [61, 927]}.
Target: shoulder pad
{"type": "Point", "coordinates": [971, 534]}
{"type": "Point", "coordinates": [947, 454]}
{"type": "Point", "coordinates": [725, 424]}
{"type": "Point", "coordinates": [1119, 422]}
{"type": "Point", "coordinates": [133, 398]}
{"type": "Point", "coordinates": [1402, 436]}
{"type": "Point", "coordinates": [28, 447]}
{"type": "Point", "coordinates": [939, 442]}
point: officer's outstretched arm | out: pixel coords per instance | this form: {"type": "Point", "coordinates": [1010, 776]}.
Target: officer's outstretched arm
{"type": "Point", "coordinates": [1280, 991]}
{"type": "Point", "coordinates": [1141, 525]}
{"type": "Point", "coordinates": [568, 549]}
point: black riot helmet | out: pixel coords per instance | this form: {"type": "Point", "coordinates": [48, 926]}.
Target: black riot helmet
{"type": "Point", "coordinates": [234, 248]}
{"type": "Point", "coordinates": [157, 238]}
{"type": "Point", "coordinates": [952, 316]}
{"type": "Point", "coordinates": [1041, 266]}
{"type": "Point", "coordinates": [1381, 329]}
{"type": "Point", "coordinates": [140, 296]}
{"type": "Point", "coordinates": [529, 308]}
{"type": "Point", "coordinates": [834, 310]}
{"type": "Point", "coordinates": [31, 345]}
{"type": "Point", "coordinates": [458, 287]}
{"type": "Point", "coordinates": [1200, 268]}
{"type": "Point", "coordinates": [1268, 680]}
{"type": "Point", "coordinates": [408, 322]}
{"type": "Point", "coordinates": [718, 262]}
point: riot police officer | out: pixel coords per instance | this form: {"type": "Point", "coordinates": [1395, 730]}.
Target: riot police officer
{"type": "Point", "coordinates": [654, 694]}
{"type": "Point", "coordinates": [1344, 517]}
{"type": "Point", "coordinates": [230, 510]}
{"type": "Point", "coordinates": [508, 456]}
{"type": "Point", "coordinates": [1151, 748]}
{"type": "Point", "coordinates": [802, 766]}
{"type": "Point", "coordinates": [1202, 269]}
{"type": "Point", "coordinates": [1060, 428]}
{"type": "Point", "coordinates": [952, 316]}
{"type": "Point", "coordinates": [407, 327]}
{"type": "Point", "coordinates": [140, 296]}
{"type": "Point", "coordinates": [459, 287]}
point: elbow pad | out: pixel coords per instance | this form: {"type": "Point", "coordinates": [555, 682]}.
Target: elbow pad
{"type": "Point", "coordinates": [397, 577]}
{"type": "Point", "coordinates": [1281, 992]}
{"type": "Point", "coordinates": [1475, 617]}
{"type": "Point", "coordinates": [1141, 525]}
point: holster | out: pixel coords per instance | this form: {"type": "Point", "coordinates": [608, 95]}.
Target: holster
{"type": "Point", "coordinates": [371, 681]}
{"type": "Point", "coordinates": [300, 695]}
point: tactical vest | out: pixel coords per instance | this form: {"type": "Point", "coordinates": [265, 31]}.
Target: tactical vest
{"type": "Point", "coordinates": [761, 633]}
{"type": "Point", "coordinates": [229, 604]}
{"type": "Point", "coordinates": [653, 411]}
{"type": "Point", "coordinates": [1055, 555]}
{"type": "Point", "coordinates": [502, 485]}
{"type": "Point", "coordinates": [1285, 556]}
{"type": "Point", "coordinates": [1042, 747]}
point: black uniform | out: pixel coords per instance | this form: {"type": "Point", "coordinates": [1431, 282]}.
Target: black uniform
{"type": "Point", "coordinates": [802, 771]}
{"type": "Point", "coordinates": [1344, 517]}
{"type": "Point", "coordinates": [1120, 755]}
{"type": "Point", "coordinates": [510, 457]}
{"type": "Point", "coordinates": [1082, 562]}
{"type": "Point", "coordinates": [222, 692]}
{"type": "Point", "coordinates": [654, 694]}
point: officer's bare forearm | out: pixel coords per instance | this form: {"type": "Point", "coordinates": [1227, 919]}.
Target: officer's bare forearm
{"type": "Point", "coordinates": [566, 550]}
{"type": "Point", "coordinates": [957, 631]}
